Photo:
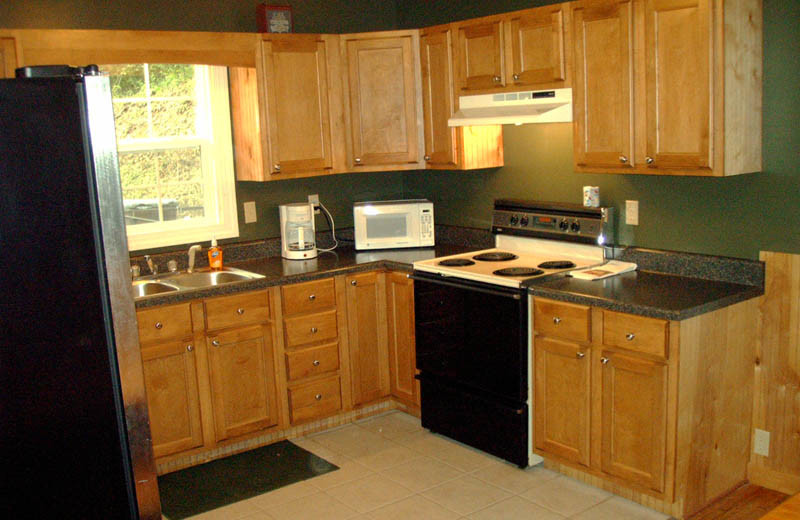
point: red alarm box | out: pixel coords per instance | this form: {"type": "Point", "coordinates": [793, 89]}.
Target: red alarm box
{"type": "Point", "coordinates": [274, 18]}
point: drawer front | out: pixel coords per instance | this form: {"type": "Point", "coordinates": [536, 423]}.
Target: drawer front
{"type": "Point", "coordinates": [637, 333]}
{"type": "Point", "coordinates": [309, 296]}
{"type": "Point", "coordinates": [312, 361]}
{"type": "Point", "coordinates": [310, 328]}
{"type": "Point", "coordinates": [239, 309]}
{"type": "Point", "coordinates": [315, 399]}
{"type": "Point", "coordinates": [562, 320]}
{"type": "Point", "coordinates": [161, 323]}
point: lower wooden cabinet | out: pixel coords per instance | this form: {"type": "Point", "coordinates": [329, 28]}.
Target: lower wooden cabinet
{"type": "Point", "coordinates": [402, 345]}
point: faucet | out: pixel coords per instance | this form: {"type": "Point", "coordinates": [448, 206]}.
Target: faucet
{"type": "Point", "coordinates": [150, 264]}
{"type": "Point", "coordinates": [192, 250]}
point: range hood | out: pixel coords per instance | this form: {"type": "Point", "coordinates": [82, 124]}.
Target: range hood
{"type": "Point", "coordinates": [514, 108]}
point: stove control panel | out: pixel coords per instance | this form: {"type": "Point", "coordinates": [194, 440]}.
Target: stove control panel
{"type": "Point", "coordinates": [589, 225]}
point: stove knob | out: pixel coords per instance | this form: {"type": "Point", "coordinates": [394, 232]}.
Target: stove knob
{"type": "Point", "coordinates": [563, 225]}
{"type": "Point", "coordinates": [575, 226]}
{"type": "Point", "coordinates": [523, 221]}
{"type": "Point", "coordinates": [514, 220]}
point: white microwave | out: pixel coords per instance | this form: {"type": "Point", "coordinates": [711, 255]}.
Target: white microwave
{"type": "Point", "coordinates": [389, 224]}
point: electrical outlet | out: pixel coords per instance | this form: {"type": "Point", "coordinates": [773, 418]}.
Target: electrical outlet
{"type": "Point", "coordinates": [761, 442]}
{"type": "Point", "coordinates": [250, 212]}
{"type": "Point", "coordinates": [314, 199]}
{"type": "Point", "coordinates": [632, 212]}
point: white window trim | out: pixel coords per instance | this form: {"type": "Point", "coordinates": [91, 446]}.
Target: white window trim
{"type": "Point", "coordinates": [219, 165]}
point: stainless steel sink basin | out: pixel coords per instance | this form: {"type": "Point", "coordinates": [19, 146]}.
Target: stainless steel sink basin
{"type": "Point", "coordinates": [183, 281]}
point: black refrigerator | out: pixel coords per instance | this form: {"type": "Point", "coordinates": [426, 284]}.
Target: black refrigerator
{"type": "Point", "coordinates": [75, 435]}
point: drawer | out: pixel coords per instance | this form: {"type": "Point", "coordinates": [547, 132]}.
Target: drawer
{"type": "Point", "coordinates": [637, 333]}
{"type": "Point", "coordinates": [316, 399]}
{"type": "Point", "coordinates": [312, 361]}
{"type": "Point", "coordinates": [308, 296]}
{"type": "Point", "coordinates": [239, 309]}
{"type": "Point", "coordinates": [562, 320]}
{"type": "Point", "coordinates": [310, 328]}
{"type": "Point", "coordinates": [161, 323]}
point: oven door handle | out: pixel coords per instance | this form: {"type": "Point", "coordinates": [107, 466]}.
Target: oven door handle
{"type": "Point", "coordinates": [515, 296]}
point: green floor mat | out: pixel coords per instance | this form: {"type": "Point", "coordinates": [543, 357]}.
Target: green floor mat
{"type": "Point", "coordinates": [221, 482]}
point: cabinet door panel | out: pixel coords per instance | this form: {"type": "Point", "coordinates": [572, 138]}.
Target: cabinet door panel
{"type": "Point", "coordinates": [402, 352]}
{"type": "Point", "coordinates": [170, 379]}
{"type": "Point", "coordinates": [538, 48]}
{"type": "Point", "coordinates": [366, 325]}
{"type": "Point", "coordinates": [242, 381]}
{"type": "Point", "coordinates": [603, 101]}
{"type": "Point", "coordinates": [382, 101]}
{"type": "Point", "coordinates": [480, 56]}
{"type": "Point", "coordinates": [562, 405]}
{"type": "Point", "coordinates": [8, 58]}
{"type": "Point", "coordinates": [298, 119]}
{"type": "Point", "coordinates": [678, 83]}
{"type": "Point", "coordinates": [634, 419]}
{"type": "Point", "coordinates": [437, 98]}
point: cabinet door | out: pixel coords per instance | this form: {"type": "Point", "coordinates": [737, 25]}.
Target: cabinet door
{"type": "Point", "coordinates": [8, 58]}
{"type": "Point", "coordinates": [366, 326]}
{"type": "Point", "coordinates": [480, 59]}
{"type": "Point", "coordinates": [634, 419]}
{"type": "Point", "coordinates": [437, 98]}
{"type": "Point", "coordinates": [383, 101]}
{"type": "Point", "coordinates": [603, 101]}
{"type": "Point", "coordinates": [402, 352]}
{"type": "Point", "coordinates": [242, 381]}
{"type": "Point", "coordinates": [562, 406]}
{"type": "Point", "coordinates": [678, 83]}
{"type": "Point", "coordinates": [297, 122]}
{"type": "Point", "coordinates": [170, 379]}
{"type": "Point", "coordinates": [538, 55]}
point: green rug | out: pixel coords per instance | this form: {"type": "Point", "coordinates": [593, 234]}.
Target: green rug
{"type": "Point", "coordinates": [221, 482]}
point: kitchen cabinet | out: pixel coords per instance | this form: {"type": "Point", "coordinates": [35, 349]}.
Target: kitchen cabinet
{"type": "Point", "coordinates": [8, 57]}
{"type": "Point", "coordinates": [668, 87]}
{"type": "Point", "coordinates": [383, 109]}
{"type": "Point", "coordinates": [402, 346]}
{"type": "Point", "coordinates": [367, 335]}
{"type": "Point", "coordinates": [480, 55]}
{"type": "Point", "coordinates": [448, 147]}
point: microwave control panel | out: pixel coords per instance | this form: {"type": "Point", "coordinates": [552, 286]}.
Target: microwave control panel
{"type": "Point", "coordinates": [426, 225]}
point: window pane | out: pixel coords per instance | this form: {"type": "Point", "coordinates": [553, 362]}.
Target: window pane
{"type": "Point", "coordinates": [180, 165]}
{"type": "Point", "coordinates": [137, 169]}
{"type": "Point", "coordinates": [171, 80]}
{"type": "Point", "coordinates": [131, 120]}
{"type": "Point", "coordinates": [126, 80]}
{"type": "Point", "coordinates": [187, 198]}
{"type": "Point", "coordinates": [173, 118]}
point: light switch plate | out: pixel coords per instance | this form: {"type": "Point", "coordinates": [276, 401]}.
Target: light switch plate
{"type": "Point", "coordinates": [250, 212]}
{"type": "Point", "coordinates": [761, 442]}
{"type": "Point", "coordinates": [632, 212]}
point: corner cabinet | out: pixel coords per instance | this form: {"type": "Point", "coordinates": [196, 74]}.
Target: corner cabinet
{"type": "Point", "coordinates": [669, 87]}
{"type": "Point", "coordinates": [608, 407]}
{"type": "Point", "coordinates": [8, 57]}
{"type": "Point", "coordinates": [383, 109]}
{"type": "Point", "coordinates": [402, 341]}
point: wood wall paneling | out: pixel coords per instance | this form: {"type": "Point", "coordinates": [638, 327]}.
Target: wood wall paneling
{"type": "Point", "coordinates": [8, 57]}
{"type": "Point", "coordinates": [245, 122]}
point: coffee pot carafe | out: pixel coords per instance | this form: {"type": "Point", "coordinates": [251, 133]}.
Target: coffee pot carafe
{"type": "Point", "coordinates": [298, 233]}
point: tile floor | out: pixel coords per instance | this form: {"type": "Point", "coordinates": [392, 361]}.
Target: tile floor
{"type": "Point", "coordinates": [392, 469]}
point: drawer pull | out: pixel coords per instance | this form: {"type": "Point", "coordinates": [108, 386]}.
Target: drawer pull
{"type": "Point", "coordinates": [581, 355]}
{"type": "Point", "coordinates": [314, 330]}
{"type": "Point", "coordinates": [604, 360]}
{"type": "Point", "coordinates": [315, 362]}
{"type": "Point", "coordinates": [312, 297]}
{"type": "Point", "coordinates": [629, 336]}
{"type": "Point", "coordinates": [159, 325]}
{"type": "Point", "coordinates": [215, 342]}
{"type": "Point", "coordinates": [189, 348]}
{"type": "Point", "coordinates": [556, 320]}
{"type": "Point", "coordinates": [318, 397]}
{"type": "Point", "coordinates": [239, 311]}
{"type": "Point", "coordinates": [353, 282]}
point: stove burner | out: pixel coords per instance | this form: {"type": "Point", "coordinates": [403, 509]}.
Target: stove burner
{"type": "Point", "coordinates": [496, 256]}
{"type": "Point", "coordinates": [557, 264]}
{"type": "Point", "coordinates": [518, 271]}
{"type": "Point", "coordinates": [456, 262]}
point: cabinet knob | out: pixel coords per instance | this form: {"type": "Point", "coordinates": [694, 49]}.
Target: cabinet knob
{"type": "Point", "coordinates": [313, 330]}
{"type": "Point", "coordinates": [496, 79]}
{"type": "Point", "coordinates": [312, 297]}
{"type": "Point", "coordinates": [623, 159]}
{"type": "Point", "coordinates": [649, 160]}
{"type": "Point", "coordinates": [353, 282]}
{"type": "Point", "coordinates": [239, 311]}
{"type": "Point", "coordinates": [427, 157]}
{"type": "Point", "coordinates": [276, 167]}
{"type": "Point", "coordinates": [556, 320]}
{"type": "Point", "coordinates": [159, 325]}
{"type": "Point", "coordinates": [215, 342]}
{"type": "Point", "coordinates": [604, 360]}
{"type": "Point", "coordinates": [516, 77]}
{"type": "Point", "coordinates": [629, 336]}
{"type": "Point", "coordinates": [581, 355]}
{"type": "Point", "coordinates": [358, 160]}
{"type": "Point", "coordinates": [318, 397]}
{"type": "Point", "coordinates": [315, 362]}
{"type": "Point", "coordinates": [189, 348]}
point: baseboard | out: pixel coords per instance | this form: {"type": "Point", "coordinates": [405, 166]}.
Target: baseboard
{"type": "Point", "coordinates": [773, 479]}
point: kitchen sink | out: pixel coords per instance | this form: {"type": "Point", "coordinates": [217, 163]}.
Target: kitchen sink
{"type": "Point", "coordinates": [185, 281]}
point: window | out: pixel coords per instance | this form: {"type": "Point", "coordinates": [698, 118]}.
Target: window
{"type": "Point", "coordinates": [175, 153]}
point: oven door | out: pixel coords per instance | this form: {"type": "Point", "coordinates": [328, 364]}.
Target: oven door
{"type": "Point", "coordinates": [473, 335]}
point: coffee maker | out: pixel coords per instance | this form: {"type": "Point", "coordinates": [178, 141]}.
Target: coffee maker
{"type": "Point", "coordinates": [298, 233]}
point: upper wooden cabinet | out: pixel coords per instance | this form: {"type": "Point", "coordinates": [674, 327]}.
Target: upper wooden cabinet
{"type": "Point", "coordinates": [8, 58]}
{"type": "Point", "coordinates": [382, 107]}
{"type": "Point", "coordinates": [668, 87]}
{"type": "Point", "coordinates": [480, 55]}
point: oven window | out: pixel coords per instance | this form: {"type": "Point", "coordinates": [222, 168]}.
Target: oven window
{"type": "Point", "coordinates": [387, 226]}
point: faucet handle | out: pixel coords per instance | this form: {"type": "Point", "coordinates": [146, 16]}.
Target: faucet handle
{"type": "Point", "coordinates": [135, 271]}
{"type": "Point", "coordinates": [172, 265]}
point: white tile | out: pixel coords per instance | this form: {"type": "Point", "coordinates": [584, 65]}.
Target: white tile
{"type": "Point", "coordinates": [283, 495]}
{"type": "Point", "coordinates": [351, 441]}
{"type": "Point", "coordinates": [392, 425]}
{"type": "Point", "coordinates": [313, 507]}
{"type": "Point", "coordinates": [230, 512]}
{"type": "Point", "coordinates": [465, 495]}
{"type": "Point", "coordinates": [386, 457]}
{"type": "Point", "coordinates": [512, 478]}
{"type": "Point", "coordinates": [516, 507]}
{"type": "Point", "coordinates": [617, 507]}
{"type": "Point", "coordinates": [369, 493]}
{"type": "Point", "coordinates": [422, 473]}
{"type": "Point", "coordinates": [464, 458]}
{"type": "Point", "coordinates": [259, 516]}
{"type": "Point", "coordinates": [348, 471]}
{"type": "Point", "coordinates": [566, 496]}
{"type": "Point", "coordinates": [425, 442]}
{"type": "Point", "coordinates": [413, 508]}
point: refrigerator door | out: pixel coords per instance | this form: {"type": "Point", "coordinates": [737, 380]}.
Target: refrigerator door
{"type": "Point", "coordinates": [72, 408]}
